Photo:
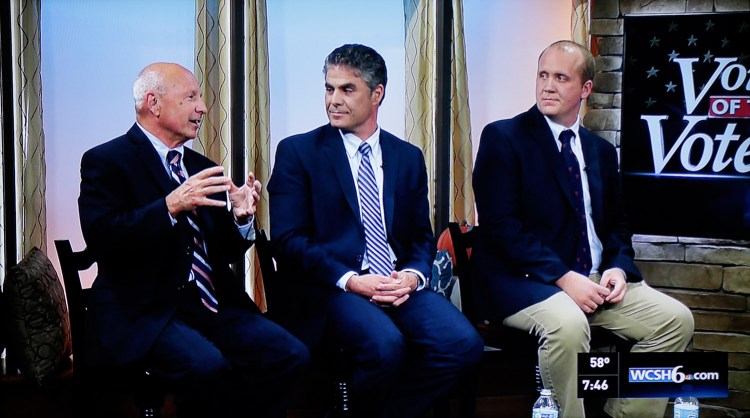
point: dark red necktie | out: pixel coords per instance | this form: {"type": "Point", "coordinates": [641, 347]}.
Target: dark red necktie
{"type": "Point", "coordinates": [583, 250]}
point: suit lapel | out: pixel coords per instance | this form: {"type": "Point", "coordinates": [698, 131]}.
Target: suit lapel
{"type": "Point", "coordinates": [593, 174]}
{"type": "Point", "coordinates": [333, 148]}
{"type": "Point", "coordinates": [150, 158]}
{"type": "Point", "coordinates": [390, 172]}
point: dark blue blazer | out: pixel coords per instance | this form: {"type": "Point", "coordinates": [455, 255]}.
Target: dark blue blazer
{"type": "Point", "coordinates": [316, 228]}
{"type": "Point", "coordinates": [525, 209]}
{"type": "Point", "coordinates": [142, 258]}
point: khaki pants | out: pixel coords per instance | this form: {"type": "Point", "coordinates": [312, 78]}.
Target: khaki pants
{"type": "Point", "coordinates": [654, 320]}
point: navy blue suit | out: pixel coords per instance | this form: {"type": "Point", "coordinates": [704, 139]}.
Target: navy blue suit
{"type": "Point", "coordinates": [526, 211]}
{"type": "Point", "coordinates": [318, 236]}
{"type": "Point", "coordinates": [142, 307]}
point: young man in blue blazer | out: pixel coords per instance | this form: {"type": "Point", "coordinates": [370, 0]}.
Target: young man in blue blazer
{"type": "Point", "coordinates": [554, 254]}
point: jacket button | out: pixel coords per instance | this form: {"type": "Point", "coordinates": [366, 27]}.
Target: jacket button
{"type": "Point", "coordinates": [359, 258]}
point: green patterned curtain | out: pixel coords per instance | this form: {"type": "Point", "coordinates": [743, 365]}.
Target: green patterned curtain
{"type": "Point", "coordinates": [28, 151]}
{"type": "Point", "coordinates": [212, 72]}
{"type": "Point", "coordinates": [258, 121]}
{"type": "Point", "coordinates": [421, 92]}
{"type": "Point", "coordinates": [212, 69]}
{"type": "Point", "coordinates": [462, 194]}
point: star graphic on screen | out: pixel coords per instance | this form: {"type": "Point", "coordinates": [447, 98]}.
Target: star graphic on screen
{"type": "Point", "coordinates": [654, 41]}
{"type": "Point", "coordinates": [670, 87]}
{"type": "Point", "coordinates": [742, 57]}
{"type": "Point", "coordinates": [743, 27]}
{"type": "Point", "coordinates": [692, 40]}
{"type": "Point", "coordinates": [673, 27]}
{"type": "Point", "coordinates": [652, 72]}
{"type": "Point", "coordinates": [672, 55]}
{"type": "Point", "coordinates": [724, 42]}
{"type": "Point", "coordinates": [650, 102]}
{"type": "Point", "coordinates": [707, 56]}
{"type": "Point", "coordinates": [710, 25]}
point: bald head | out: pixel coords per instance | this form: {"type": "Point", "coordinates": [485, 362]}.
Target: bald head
{"type": "Point", "coordinates": [587, 67]}
{"type": "Point", "coordinates": [154, 79]}
{"type": "Point", "coordinates": [168, 102]}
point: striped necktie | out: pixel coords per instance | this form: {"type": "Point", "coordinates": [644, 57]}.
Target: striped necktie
{"type": "Point", "coordinates": [583, 251]}
{"type": "Point", "coordinates": [377, 244]}
{"type": "Point", "coordinates": [201, 270]}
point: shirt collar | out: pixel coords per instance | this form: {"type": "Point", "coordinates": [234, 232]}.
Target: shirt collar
{"type": "Point", "coordinates": [160, 147]}
{"type": "Point", "coordinates": [557, 129]}
{"type": "Point", "coordinates": [352, 142]}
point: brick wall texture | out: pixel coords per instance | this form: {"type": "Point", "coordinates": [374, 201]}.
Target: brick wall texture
{"type": "Point", "coordinates": [712, 277]}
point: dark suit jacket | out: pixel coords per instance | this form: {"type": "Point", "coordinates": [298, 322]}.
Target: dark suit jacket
{"type": "Point", "coordinates": [525, 208]}
{"type": "Point", "coordinates": [316, 228]}
{"type": "Point", "coordinates": [141, 257]}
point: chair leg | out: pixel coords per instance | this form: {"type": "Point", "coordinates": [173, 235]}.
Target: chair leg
{"type": "Point", "coordinates": [149, 397]}
{"type": "Point", "coordinates": [150, 413]}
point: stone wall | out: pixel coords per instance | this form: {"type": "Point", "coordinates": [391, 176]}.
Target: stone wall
{"type": "Point", "coordinates": [712, 277]}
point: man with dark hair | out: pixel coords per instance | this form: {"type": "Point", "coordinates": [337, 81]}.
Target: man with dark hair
{"type": "Point", "coordinates": [164, 223]}
{"type": "Point", "coordinates": [352, 236]}
{"type": "Point", "coordinates": [554, 254]}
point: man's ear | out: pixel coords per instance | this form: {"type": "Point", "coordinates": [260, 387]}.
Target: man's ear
{"type": "Point", "coordinates": [588, 86]}
{"type": "Point", "coordinates": [152, 103]}
{"type": "Point", "coordinates": [377, 95]}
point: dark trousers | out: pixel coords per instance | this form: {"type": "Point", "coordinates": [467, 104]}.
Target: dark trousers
{"type": "Point", "coordinates": [403, 358]}
{"type": "Point", "coordinates": [234, 363]}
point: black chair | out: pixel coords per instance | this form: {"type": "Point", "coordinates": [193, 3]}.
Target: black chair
{"type": "Point", "coordinates": [514, 350]}
{"type": "Point", "coordinates": [146, 389]}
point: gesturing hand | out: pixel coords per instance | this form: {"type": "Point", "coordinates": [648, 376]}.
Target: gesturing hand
{"type": "Point", "coordinates": [195, 190]}
{"type": "Point", "coordinates": [245, 199]}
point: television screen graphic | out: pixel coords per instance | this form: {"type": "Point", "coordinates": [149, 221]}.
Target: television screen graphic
{"type": "Point", "coordinates": [685, 140]}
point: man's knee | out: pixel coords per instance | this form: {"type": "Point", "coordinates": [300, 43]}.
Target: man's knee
{"type": "Point", "coordinates": [210, 367]}
{"type": "Point", "coordinates": [464, 346]}
{"type": "Point", "coordinates": [384, 349]}
{"type": "Point", "coordinates": [684, 323]}
{"type": "Point", "coordinates": [297, 356]}
{"type": "Point", "coordinates": [571, 333]}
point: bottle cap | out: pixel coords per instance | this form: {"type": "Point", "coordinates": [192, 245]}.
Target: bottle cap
{"type": "Point", "coordinates": [547, 392]}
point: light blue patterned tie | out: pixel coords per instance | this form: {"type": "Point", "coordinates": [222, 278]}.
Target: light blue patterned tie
{"type": "Point", "coordinates": [201, 270]}
{"type": "Point", "coordinates": [377, 244]}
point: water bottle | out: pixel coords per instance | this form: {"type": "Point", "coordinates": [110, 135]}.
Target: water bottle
{"type": "Point", "coordinates": [545, 406]}
{"type": "Point", "coordinates": [686, 407]}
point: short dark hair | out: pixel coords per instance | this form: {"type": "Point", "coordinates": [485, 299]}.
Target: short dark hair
{"type": "Point", "coordinates": [588, 69]}
{"type": "Point", "coordinates": [366, 62]}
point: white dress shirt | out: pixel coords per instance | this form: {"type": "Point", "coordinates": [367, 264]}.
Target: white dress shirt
{"type": "Point", "coordinates": [351, 145]}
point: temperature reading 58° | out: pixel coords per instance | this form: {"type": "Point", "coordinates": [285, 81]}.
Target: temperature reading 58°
{"type": "Point", "coordinates": [598, 362]}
